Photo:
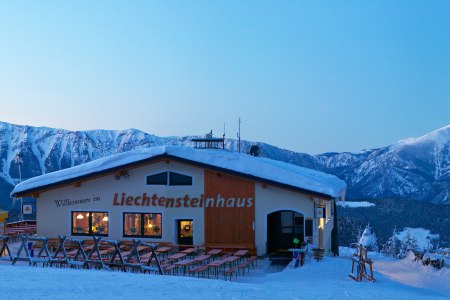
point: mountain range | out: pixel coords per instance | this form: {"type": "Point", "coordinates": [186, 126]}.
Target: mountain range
{"type": "Point", "coordinates": [414, 168]}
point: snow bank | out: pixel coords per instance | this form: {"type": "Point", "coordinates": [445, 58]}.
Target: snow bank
{"type": "Point", "coordinates": [354, 204]}
{"type": "Point", "coordinates": [422, 236]}
{"type": "Point", "coordinates": [260, 167]}
{"type": "Point", "coordinates": [415, 274]}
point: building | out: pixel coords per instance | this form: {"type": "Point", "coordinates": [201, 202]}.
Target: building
{"type": "Point", "coordinates": [3, 217]}
{"type": "Point", "coordinates": [189, 196]}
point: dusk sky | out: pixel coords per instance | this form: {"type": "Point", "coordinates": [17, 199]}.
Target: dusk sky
{"type": "Point", "coordinates": [309, 76]}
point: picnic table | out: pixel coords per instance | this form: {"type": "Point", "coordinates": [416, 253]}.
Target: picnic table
{"type": "Point", "coordinates": [216, 265]}
{"type": "Point", "coordinates": [163, 251]}
{"type": "Point", "coordinates": [202, 258]}
{"type": "Point", "coordinates": [232, 260]}
{"type": "Point", "coordinates": [184, 263]}
{"type": "Point", "coordinates": [214, 252]}
{"type": "Point", "coordinates": [175, 257]}
{"type": "Point", "coordinates": [190, 251]}
{"type": "Point", "coordinates": [241, 252]}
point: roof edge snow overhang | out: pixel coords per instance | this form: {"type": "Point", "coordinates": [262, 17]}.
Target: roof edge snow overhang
{"type": "Point", "coordinates": [139, 163]}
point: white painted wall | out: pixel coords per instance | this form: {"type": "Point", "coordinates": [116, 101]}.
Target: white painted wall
{"type": "Point", "coordinates": [53, 220]}
{"type": "Point", "coordinates": [270, 199]}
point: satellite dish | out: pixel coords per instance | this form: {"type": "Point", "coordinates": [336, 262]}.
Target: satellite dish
{"type": "Point", "coordinates": [255, 150]}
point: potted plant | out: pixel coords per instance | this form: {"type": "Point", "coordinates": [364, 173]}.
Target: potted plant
{"type": "Point", "coordinates": [79, 229]}
{"type": "Point", "coordinates": [133, 230]}
{"type": "Point", "coordinates": [156, 229]}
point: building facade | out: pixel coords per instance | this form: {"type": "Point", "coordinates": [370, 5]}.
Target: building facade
{"type": "Point", "coordinates": [188, 196]}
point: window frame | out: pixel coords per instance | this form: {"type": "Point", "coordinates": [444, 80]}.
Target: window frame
{"type": "Point", "coordinates": [155, 174]}
{"type": "Point", "coordinates": [90, 232]}
{"type": "Point", "coordinates": [142, 228]}
{"type": "Point", "coordinates": [168, 179]}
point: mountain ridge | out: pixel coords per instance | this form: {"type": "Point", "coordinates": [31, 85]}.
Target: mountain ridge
{"type": "Point", "coordinates": [413, 168]}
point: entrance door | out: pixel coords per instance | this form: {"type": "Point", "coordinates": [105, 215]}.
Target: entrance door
{"type": "Point", "coordinates": [185, 232]}
{"type": "Point", "coordinates": [282, 228]}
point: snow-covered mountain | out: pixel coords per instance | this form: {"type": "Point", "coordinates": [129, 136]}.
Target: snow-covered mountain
{"type": "Point", "coordinates": [412, 168]}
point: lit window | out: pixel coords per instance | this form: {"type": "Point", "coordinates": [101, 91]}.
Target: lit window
{"type": "Point", "coordinates": [142, 225]}
{"type": "Point", "coordinates": [90, 223]}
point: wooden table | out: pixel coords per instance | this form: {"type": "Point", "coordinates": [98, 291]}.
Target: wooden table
{"type": "Point", "coordinates": [216, 265]}
{"type": "Point", "coordinates": [232, 260]}
{"type": "Point", "coordinates": [184, 263]}
{"type": "Point", "coordinates": [202, 258]}
{"type": "Point", "coordinates": [241, 253]}
{"type": "Point", "coordinates": [176, 256]}
{"type": "Point", "coordinates": [214, 252]}
{"type": "Point", "coordinates": [190, 251]}
{"type": "Point", "coordinates": [163, 249]}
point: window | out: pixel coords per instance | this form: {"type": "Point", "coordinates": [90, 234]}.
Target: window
{"type": "Point", "coordinates": [169, 178]}
{"type": "Point", "coordinates": [308, 227]}
{"type": "Point", "coordinates": [179, 179]}
{"type": "Point", "coordinates": [90, 223]}
{"type": "Point", "coordinates": [157, 179]}
{"type": "Point", "coordinates": [142, 225]}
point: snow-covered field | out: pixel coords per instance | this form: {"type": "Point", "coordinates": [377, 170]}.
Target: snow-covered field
{"type": "Point", "coordinates": [327, 279]}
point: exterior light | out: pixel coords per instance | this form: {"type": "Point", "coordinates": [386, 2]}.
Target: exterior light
{"type": "Point", "coordinates": [80, 216]}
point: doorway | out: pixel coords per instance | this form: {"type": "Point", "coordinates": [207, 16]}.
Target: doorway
{"type": "Point", "coordinates": [185, 232]}
{"type": "Point", "coordinates": [282, 228]}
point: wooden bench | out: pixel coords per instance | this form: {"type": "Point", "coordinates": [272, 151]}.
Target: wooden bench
{"type": "Point", "coordinates": [199, 270]}
{"type": "Point", "coordinates": [242, 266]}
{"type": "Point", "coordinates": [232, 248]}
{"type": "Point", "coordinates": [253, 260]}
{"type": "Point", "coordinates": [230, 271]}
{"type": "Point", "coordinates": [170, 269]}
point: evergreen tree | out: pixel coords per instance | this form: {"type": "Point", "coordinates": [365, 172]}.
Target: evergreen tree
{"type": "Point", "coordinates": [392, 246]}
{"type": "Point", "coordinates": [409, 243]}
{"type": "Point", "coordinates": [368, 239]}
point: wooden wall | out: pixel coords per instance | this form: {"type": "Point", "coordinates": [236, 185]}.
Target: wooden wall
{"type": "Point", "coordinates": [229, 225]}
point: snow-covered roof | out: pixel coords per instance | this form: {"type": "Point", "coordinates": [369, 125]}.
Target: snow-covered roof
{"type": "Point", "coordinates": [257, 167]}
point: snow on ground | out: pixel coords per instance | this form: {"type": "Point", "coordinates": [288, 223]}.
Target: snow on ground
{"type": "Point", "coordinates": [354, 204]}
{"type": "Point", "coordinates": [325, 280]}
{"type": "Point", "coordinates": [423, 236]}
{"type": "Point", "coordinates": [416, 274]}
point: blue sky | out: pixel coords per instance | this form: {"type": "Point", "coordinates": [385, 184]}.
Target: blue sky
{"type": "Point", "coordinates": [307, 76]}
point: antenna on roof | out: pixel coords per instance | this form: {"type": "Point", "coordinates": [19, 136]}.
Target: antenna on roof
{"type": "Point", "coordinates": [223, 137]}
{"type": "Point", "coordinates": [239, 135]}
